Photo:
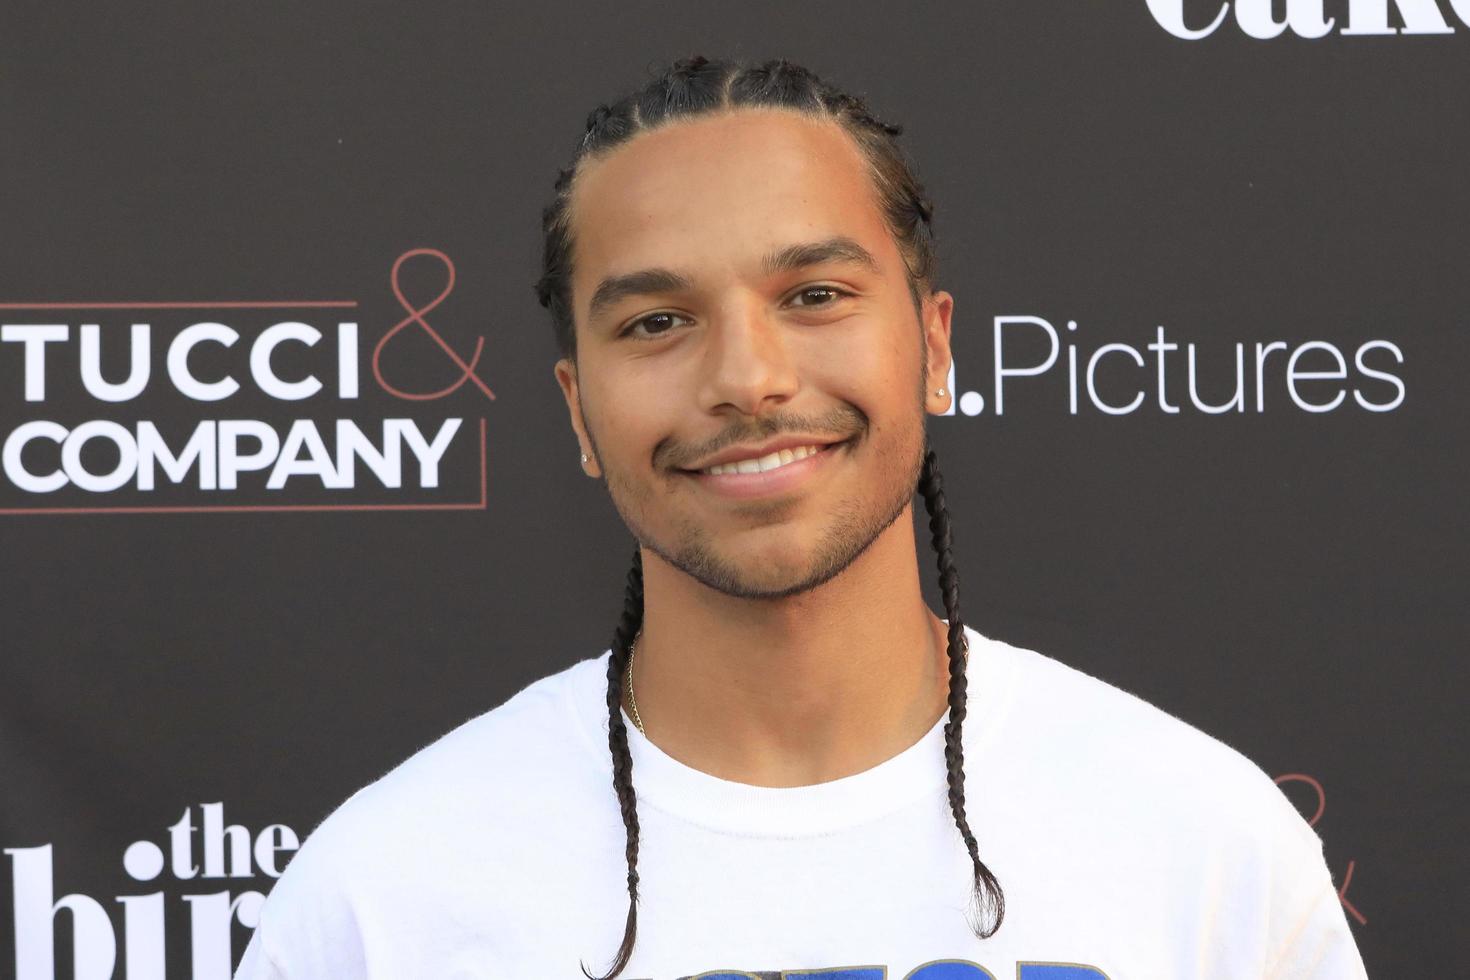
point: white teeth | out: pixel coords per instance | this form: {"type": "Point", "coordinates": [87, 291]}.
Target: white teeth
{"type": "Point", "coordinates": [779, 458]}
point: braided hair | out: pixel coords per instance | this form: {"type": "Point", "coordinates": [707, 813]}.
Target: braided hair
{"type": "Point", "coordinates": [697, 86]}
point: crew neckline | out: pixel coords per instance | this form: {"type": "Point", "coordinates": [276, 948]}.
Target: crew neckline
{"type": "Point", "coordinates": [723, 805]}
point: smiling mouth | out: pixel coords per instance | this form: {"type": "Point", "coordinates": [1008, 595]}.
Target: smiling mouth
{"type": "Point", "coordinates": [767, 463]}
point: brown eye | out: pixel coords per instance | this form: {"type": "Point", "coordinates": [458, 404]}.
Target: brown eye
{"type": "Point", "coordinates": [823, 295]}
{"type": "Point", "coordinates": [655, 324]}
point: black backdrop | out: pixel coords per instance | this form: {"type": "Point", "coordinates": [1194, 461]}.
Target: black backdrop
{"type": "Point", "coordinates": [191, 657]}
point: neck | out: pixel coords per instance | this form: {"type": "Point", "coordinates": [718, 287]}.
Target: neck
{"type": "Point", "coordinates": [793, 691]}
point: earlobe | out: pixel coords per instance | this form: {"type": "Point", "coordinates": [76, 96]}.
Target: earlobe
{"type": "Point", "coordinates": [589, 463]}
{"type": "Point", "coordinates": [566, 377]}
{"type": "Point", "coordinates": [938, 400]}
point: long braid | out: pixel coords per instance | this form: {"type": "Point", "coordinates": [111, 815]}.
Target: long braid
{"type": "Point", "coordinates": [987, 890]}
{"type": "Point", "coordinates": [617, 739]}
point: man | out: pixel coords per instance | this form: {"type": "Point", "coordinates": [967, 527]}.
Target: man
{"type": "Point", "coordinates": [770, 764]}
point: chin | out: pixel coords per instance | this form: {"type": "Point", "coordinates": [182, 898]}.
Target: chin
{"type": "Point", "coordinates": [756, 574]}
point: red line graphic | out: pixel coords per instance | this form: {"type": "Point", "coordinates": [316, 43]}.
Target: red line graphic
{"type": "Point", "coordinates": [480, 504]}
{"type": "Point", "coordinates": [1342, 895]}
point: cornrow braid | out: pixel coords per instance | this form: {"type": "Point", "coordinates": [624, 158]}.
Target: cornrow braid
{"type": "Point", "coordinates": [697, 86]}
{"type": "Point", "coordinates": [693, 87]}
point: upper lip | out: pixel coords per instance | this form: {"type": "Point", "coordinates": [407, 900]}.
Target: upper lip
{"type": "Point", "coordinates": [756, 451]}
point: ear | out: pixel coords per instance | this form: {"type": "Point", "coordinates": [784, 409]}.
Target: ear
{"type": "Point", "coordinates": [938, 307]}
{"type": "Point", "coordinates": [566, 376]}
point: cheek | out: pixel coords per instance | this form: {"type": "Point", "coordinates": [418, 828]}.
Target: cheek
{"type": "Point", "coordinates": [871, 365]}
{"type": "Point", "coordinates": [628, 427]}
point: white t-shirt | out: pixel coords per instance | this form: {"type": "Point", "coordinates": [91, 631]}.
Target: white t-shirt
{"type": "Point", "coordinates": [1130, 846]}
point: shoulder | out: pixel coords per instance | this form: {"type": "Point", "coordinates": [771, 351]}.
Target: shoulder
{"type": "Point", "coordinates": [535, 746]}
{"type": "Point", "coordinates": [1130, 755]}
{"type": "Point", "coordinates": [464, 807]}
{"type": "Point", "coordinates": [1144, 794]}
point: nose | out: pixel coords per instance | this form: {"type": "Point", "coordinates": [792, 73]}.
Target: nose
{"type": "Point", "coordinates": [747, 361]}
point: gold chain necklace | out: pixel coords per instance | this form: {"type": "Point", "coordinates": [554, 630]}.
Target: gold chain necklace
{"type": "Point", "coordinates": [632, 699]}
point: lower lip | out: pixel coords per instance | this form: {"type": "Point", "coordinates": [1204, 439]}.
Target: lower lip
{"type": "Point", "coordinates": [771, 482]}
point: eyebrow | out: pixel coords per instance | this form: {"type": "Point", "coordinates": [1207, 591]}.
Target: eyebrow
{"type": "Point", "coordinates": [839, 248]}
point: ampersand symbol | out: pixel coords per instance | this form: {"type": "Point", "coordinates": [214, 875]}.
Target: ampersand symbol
{"type": "Point", "coordinates": [416, 315]}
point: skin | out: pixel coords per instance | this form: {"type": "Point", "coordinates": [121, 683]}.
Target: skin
{"type": "Point", "coordinates": [785, 640]}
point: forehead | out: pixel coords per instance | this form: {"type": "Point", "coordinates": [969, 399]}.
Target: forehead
{"type": "Point", "coordinates": [716, 193]}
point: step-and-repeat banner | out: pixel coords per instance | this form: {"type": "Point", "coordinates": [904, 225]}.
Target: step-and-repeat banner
{"type": "Point", "coordinates": [288, 488]}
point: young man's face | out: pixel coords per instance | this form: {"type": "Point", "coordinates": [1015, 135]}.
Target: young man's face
{"type": "Point", "coordinates": [704, 333]}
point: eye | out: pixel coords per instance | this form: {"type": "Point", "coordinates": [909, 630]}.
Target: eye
{"type": "Point", "coordinates": [823, 295]}
{"type": "Point", "coordinates": [657, 324]}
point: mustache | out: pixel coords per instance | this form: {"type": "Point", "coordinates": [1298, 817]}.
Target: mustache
{"type": "Point", "coordinates": [843, 422]}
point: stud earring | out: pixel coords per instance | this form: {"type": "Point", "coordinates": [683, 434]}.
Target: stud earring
{"type": "Point", "coordinates": [584, 458]}
{"type": "Point", "coordinates": [940, 393]}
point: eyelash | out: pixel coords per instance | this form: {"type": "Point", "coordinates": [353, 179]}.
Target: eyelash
{"type": "Point", "coordinates": [628, 331]}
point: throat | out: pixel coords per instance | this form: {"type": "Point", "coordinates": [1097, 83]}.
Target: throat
{"type": "Point", "coordinates": [792, 713]}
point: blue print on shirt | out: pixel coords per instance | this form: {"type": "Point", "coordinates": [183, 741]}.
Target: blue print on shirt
{"type": "Point", "coordinates": [1059, 971]}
